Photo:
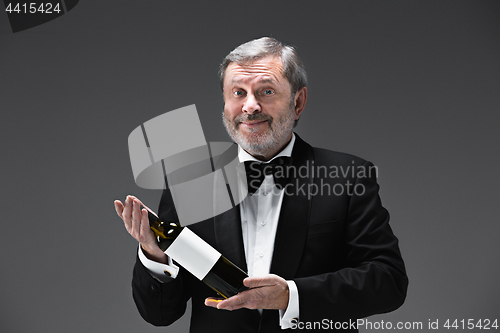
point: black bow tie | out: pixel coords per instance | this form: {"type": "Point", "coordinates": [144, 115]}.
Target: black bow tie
{"type": "Point", "coordinates": [257, 171]}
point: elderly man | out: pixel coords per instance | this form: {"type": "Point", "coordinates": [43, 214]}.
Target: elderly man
{"type": "Point", "coordinates": [318, 258]}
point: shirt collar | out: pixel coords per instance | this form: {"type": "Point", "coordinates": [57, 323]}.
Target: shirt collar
{"type": "Point", "coordinates": [243, 156]}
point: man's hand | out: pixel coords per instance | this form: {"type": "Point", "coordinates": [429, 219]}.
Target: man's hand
{"type": "Point", "coordinates": [266, 292]}
{"type": "Point", "coordinates": [137, 224]}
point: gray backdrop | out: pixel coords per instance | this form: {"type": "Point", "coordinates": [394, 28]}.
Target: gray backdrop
{"type": "Point", "coordinates": [411, 85]}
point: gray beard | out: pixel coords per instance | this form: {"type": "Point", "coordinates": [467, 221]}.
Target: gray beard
{"type": "Point", "coordinates": [267, 143]}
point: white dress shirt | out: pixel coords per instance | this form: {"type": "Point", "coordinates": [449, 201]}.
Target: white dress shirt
{"type": "Point", "coordinates": [259, 222]}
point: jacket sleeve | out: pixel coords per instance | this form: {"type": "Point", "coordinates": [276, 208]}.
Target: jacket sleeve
{"type": "Point", "coordinates": [158, 303]}
{"type": "Point", "coordinates": [373, 279]}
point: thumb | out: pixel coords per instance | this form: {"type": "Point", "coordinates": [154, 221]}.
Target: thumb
{"type": "Point", "coordinates": [256, 282]}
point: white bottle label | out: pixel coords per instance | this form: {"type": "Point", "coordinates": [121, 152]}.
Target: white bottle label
{"type": "Point", "coordinates": [193, 253]}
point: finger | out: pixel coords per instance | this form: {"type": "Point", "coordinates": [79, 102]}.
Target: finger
{"type": "Point", "coordinates": [235, 302]}
{"type": "Point", "coordinates": [119, 208]}
{"type": "Point", "coordinates": [127, 213]}
{"type": "Point", "coordinates": [141, 205]}
{"type": "Point", "coordinates": [145, 229]}
{"type": "Point", "coordinates": [262, 281]}
{"type": "Point", "coordinates": [213, 302]}
{"type": "Point", "coordinates": [147, 208]}
{"type": "Point", "coordinates": [136, 218]}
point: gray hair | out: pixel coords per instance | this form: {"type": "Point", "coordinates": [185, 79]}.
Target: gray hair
{"type": "Point", "coordinates": [293, 69]}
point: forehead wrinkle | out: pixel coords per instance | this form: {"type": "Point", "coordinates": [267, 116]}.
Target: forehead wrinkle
{"type": "Point", "coordinates": [243, 76]}
{"type": "Point", "coordinates": [269, 71]}
{"type": "Point", "coordinates": [259, 80]}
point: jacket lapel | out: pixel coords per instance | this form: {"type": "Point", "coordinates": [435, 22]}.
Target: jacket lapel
{"type": "Point", "coordinates": [228, 236]}
{"type": "Point", "coordinates": [227, 225]}
{"type": "Point", "coordinates": [294, 215]}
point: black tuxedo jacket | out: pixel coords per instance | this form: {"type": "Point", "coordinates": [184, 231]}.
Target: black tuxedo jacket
{"type": "Point", "coordinates": [336, 245]}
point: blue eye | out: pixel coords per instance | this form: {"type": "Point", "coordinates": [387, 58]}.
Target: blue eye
{"type": "Point", "coordinates": [268, 92]}
{"type": "Point", "coordinates": [238, 93]}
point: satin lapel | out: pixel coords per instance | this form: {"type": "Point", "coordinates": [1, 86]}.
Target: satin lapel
{"type": "Point", "coordinates": [294, 216]}
{"type": "Point", "coordinates": [227, 225]}
{"type": "Point", "coordinates": [228, 237]}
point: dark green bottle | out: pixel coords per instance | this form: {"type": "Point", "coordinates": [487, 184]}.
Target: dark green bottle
{"type": "Point", "coordinates": [224, 277]}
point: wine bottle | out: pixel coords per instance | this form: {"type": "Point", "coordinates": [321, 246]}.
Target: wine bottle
{"type": "Point", "coordinates": [198, 257]}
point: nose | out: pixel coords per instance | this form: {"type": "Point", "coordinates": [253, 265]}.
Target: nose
{"type": "Point", "coordinates": [251, 105]}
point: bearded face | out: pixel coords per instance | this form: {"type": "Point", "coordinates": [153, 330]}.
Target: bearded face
{"type": "Point", "coordinates": [259, 107]}
{"type": "Point", "coordinates": [258, 141]}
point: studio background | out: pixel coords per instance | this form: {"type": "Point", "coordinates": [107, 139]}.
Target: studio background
{"type": "Point", "coordinates": [413, 86]}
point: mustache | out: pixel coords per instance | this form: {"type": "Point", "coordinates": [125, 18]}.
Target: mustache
{"type": "Point", "coordinates": [252, 117]}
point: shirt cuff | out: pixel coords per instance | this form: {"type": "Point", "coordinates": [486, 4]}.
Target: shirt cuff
{"type": "Point", "coordinates": [161, 272]}
{"type": "Point", "coordinates": [290, 317]}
